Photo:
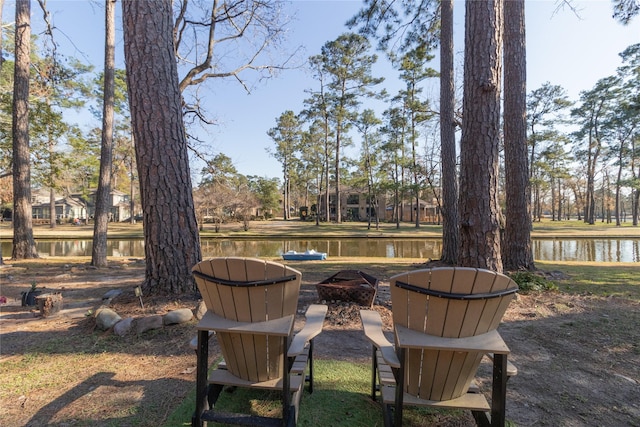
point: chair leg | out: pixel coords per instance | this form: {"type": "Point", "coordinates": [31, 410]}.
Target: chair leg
{"type": "Point", "coordinates": [296, 398]}
{"type": "Point", "coordinates": [374, 372]}
{"type": "Point", "coordinates": [286, 393]}
{"type": "Point", "coordinates": [387, 414]}
{"type": "Point", "coordinates": [202, 366]}
{"type": "Point", "coordinates": [481, 418]}
{"type": "Point", "coordinates": [214, 394]}
{"type": "Point", "coordinates": [291, 420]}
{"type": "Point", "coordinates": [310, 366]}
{"type": "Point", "coordinates": [399, 375]}
{"type": "Point", "coordinates": [499, 390]}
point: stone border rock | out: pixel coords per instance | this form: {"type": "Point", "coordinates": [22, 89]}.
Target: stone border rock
{"type": "Point", "coordinates": [106, 318]}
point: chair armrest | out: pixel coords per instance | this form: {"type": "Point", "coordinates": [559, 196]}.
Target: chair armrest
{"type": "Point", "coordinates": [281, 327]}
{"type": "Point", "coordinates": [490, 342]}
{"type": "Point", "coordinates": [312, 327]}
{"type": "Point", "coordinates": [372, 324]}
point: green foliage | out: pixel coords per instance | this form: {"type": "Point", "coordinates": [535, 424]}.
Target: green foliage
{"type": "Point", "coordinates": [287, 136]}
{"type": "Point", "coordinates": [6, 96]}
{"type": "Point", "coordinates": [219, 170]}
{"type": "Point", "coordinates": [625, 10]}
{"type": "Point", "coordinates": [531, 282]}
{"type": "Point", "coordinates": [266, 190]}
{"type": "Point", "coordinates": [58, 84]}
{"type": "Point", "coordinates": [121, 98]}
{"type": "Point", "coordinates": [402, 25]}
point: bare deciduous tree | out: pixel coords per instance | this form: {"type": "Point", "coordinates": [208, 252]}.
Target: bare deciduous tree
{"type": "Point", "coordinates": [217, 39]}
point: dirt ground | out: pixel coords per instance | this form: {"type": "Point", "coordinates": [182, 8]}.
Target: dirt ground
{"type": "Point", "coordinates": [578, 357]}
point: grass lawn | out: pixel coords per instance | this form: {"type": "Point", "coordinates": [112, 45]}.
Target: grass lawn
{"type": "Point", "coordinates": [603, 279]}
{"type": "Point", "coordinates": [341, 398]}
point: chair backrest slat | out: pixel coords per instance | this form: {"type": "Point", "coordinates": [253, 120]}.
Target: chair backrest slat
{"type": "Point", "coordinates": [248, 303]}
{"type": "Point", "coordinates": [453, 302]}
{"type": "Point", "coordinates": [249, 290]}
{"type": "Point", "coordinates": [280, 300]}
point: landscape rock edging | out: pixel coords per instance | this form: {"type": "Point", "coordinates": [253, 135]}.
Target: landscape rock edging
{"type": "Point", "coordinates": [106, 318]}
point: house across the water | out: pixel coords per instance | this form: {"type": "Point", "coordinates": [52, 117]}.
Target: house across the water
{"type": "Point", "coordinates": [355, 206]}
{"type": "Point", "coordinates": [77, 206]}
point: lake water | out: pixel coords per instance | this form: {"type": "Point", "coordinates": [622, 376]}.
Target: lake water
{"type": "Point", "coordinates": [600, 250]}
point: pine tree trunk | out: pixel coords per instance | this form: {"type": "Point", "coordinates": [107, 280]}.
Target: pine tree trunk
{"type": "Point", "coordinates": [23, 243]}
{"type": "Point", "coordinates": [635, 210]}
{"type": "Point", "coordinates": [516, 252]}
{"type": "Point", "coordinates": [132, 189]}
{"type": "Point", "coordinates": [337, 172]}
{"type": "Point", "coordinates": [101, 219]}
{"type": "Point", "coordinates": [450, 239]}
{"type": "Point", "coordinates": [52, 208]}
{"type": "Point", "coordinates": [1, 51]}
{"type": "Point", "coordinates": [327, 168]}
{"type": "Point", "coordinates": [172, 243]}
{"type": "Point", "coordinates": [479, 208]}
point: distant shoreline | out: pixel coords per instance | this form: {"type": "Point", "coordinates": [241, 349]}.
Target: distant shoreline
{"type": "Point", "coordinates": [301, 229]}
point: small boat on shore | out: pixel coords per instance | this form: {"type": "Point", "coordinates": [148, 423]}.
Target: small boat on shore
{"type": "Point", "coordinates": [310, 255]}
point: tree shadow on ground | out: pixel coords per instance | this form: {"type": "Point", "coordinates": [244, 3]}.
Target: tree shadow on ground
{"type": "Point", "coordinates": [578, 361]}
{"type": "Point", "coordinates": [113, 395]}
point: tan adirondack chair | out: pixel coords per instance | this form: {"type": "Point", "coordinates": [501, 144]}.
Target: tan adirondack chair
{"type": "Point", "coordinates": [445, 322]}
{"type": "Point", "coordinates": [251, 307]}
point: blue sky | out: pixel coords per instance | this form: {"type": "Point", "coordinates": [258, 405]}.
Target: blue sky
{"type": "Point", "coordinates": [564, 49]}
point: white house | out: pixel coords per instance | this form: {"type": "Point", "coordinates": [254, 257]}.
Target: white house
{"type": "Point", "coordinates": [78, 206]}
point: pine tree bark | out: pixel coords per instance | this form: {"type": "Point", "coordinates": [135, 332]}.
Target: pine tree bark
{"type": "Point", "coordinates": [101, 218]}
{"type": "Point", "coordinates": [1, 55]}
{"type": "Point", "coordinates": [516, 245]}
{"type": "Point", "coordinates": [24, 246]}
{"type": "Point", "coordinates": [52, 206]}
{"type": "Point", "coordinates": [172, 243]}
{"type": "Point", "coordinates": [337, 174]}
{"type": "Point", "coordinates": [478, 204]}
{"type": "Point", "coordinates": [450, 239]}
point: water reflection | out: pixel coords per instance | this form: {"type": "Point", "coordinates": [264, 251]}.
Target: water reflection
{"type": "Point", "coordinates": [599, 250]}
{"type": "Point", "coordinates": [390, 248]}
{"type": "Point", "coordinates": [115, 248]}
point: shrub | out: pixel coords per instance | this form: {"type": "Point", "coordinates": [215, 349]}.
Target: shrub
{"type": "Point", "coordinates": [531, 282]}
